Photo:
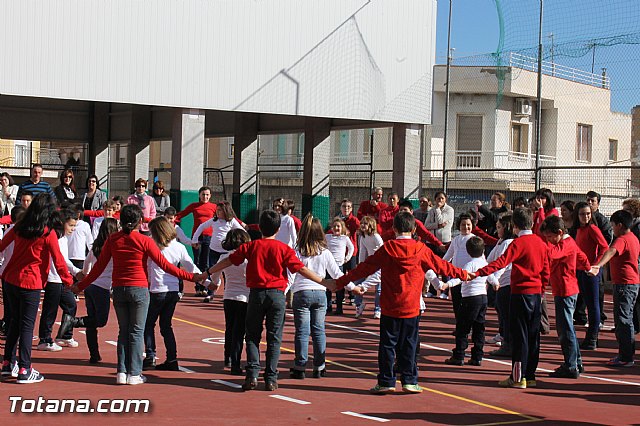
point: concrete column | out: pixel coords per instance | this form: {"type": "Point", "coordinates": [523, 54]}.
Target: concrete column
{"type": "Point", "coordinates": [315, 184]}
{"type": "Point", "coordinates": [140, 135]}
{"type": "Point", "coordinates": [406, 161]}
{"type": "Point", "coordinates": [635, 145]}
{"type": "Point", "coordinates": [245, 167]}
{"type": "Point", "coordinates": [99, 145]}
{"type": "Point", "coordinates": [187, 159]}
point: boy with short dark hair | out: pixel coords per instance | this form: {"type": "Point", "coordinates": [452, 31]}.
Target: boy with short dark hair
{"type": "Point", "coordinates": [268, 262]}
{"type": "Point", "coordinates": [473, 307]}
{"type": "Point", "coordinates": [623, 254]}
{"type": "Point", "coordinates": [403, 263]}
{"type": "Point", "coordinates": [529, 275]}
{"type": "Point", "coordinates": [565, 257]}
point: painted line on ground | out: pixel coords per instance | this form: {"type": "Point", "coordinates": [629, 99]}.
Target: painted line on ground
{"type": "Point", "coordinates": [185, 370]}
{"type": "Point", "coordinates": [370, 373]}
{"type": "Point", "coordinates": [286, 398]}
{"type": "Point", "coordinates": [82, 332]}
{"type": "Point", "coordinates": [225, 383]}
{"type": "Point", "coordinates": [111, 342]}
{"type": "Point", "coordinates": [363, 416]}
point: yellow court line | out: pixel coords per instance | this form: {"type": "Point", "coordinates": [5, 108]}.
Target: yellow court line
{"type": "Point", "coordinates": [528, 419]}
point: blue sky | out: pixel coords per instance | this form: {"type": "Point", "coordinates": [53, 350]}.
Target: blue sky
{"type": "Point", "coordinates": [475, 30]}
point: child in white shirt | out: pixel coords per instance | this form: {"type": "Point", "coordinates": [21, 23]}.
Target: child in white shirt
{"type": "Point", "coordinates": [458, 256]}
{"type": "Point", "coordinates": [341, 247]}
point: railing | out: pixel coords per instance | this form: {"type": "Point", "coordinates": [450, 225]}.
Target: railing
{"type": "Point", "coordinates": [488, 159]}
{"type": "Point", "coordinates": [528, 63]}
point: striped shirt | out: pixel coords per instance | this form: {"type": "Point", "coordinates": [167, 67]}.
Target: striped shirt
{"type": "Point", "coordinates": [34, 188]}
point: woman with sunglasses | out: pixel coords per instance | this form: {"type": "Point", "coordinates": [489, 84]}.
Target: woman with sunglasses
{"type": "Point", "coordinates": [145, 202]}
{"type": "Point", "coordinates": [160, 197]}
{"type": "Point", "coordinates": [66, 191]}
{"type": "Point", "coordinates": [93, 198]}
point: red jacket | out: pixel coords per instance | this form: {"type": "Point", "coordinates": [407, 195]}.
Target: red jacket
{"type": "Point", "coordinates": [423, 233]}
{"type": "Point", "coordinates": [539, 217]}
{"type": "Point", "coordinates": [530, 264]}
{"type": "Point", "coordinates": [386, 217]}
{"type": "Point", "coordinates": [564, 259]}
{"type": "Point", "coordinates": [403, 263]}
{"type": "Point", "coordinates": [353, 224]}
{"type": "Point", "coordinates": [5, 220]}
{"type": "Point", "coordinates": [366, 209]}
{"type": "Point", "coordinates": [28, 267]}
{"type": "Point", "coordinates": [488, 239]}
{"type": "Point", "coordinates": [297, 223]}
{"type": "Point", "coordinates": [268, 262]}
{"type": "Point", "coordinates": [202, 212]}
{"type": "Point", "coordinates": [130, 253]}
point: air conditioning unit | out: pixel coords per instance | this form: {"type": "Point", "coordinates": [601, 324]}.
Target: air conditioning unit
{"type": "Point", "coordinates": [523, 106]}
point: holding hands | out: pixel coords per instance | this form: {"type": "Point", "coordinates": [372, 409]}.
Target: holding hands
{"type": "Point", "coordinates": [594, 271]}
{"type": "Point", "coordinates": [329, 284]}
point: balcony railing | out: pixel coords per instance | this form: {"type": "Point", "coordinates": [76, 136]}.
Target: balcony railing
{"type": "Point", "coordinates": [555, 70]}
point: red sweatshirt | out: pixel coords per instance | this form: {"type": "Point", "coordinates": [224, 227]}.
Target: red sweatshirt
{"type": "Point", "coordinates": [297, 223]}
{"type": "Point", "coordinates": [28, 267]}
{"type": "Point", "coordinates": [353, 224]}
{"type": "Point", "coordinates": [488, 239]}
{"type": "Point", "coordinates": [5, 220]}
{"type": "Point", "coordinates": [591, 241]}
{"type": "Point", "coordinates": [130, 253]}
{"type": "Point", "coordinates": [403, 263]}
{"type": "Point", "coordinates": [100, 213]}
{"type": "Point", "coordinates": [530, 264]}
{"type": "Point", "coordinates": [366, 209]}
{"type": "Point", "coordinates": [421, 231]}
{"type": "Point", "coordinates": [268, 261]}
{"type": "Point", "coordinates": [386, 217]}
{"type": "Point", "coordinates": [564, 259]}
{"type": "Point", "coordinates": [539, 217]}
{"type": "Point", "coordinates": [202, 212]}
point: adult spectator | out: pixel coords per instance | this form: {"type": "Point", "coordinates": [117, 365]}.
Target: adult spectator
{"type": "Point", "coordinates": [35, 185]}
{"type": "Point", "coordinates": [146, 204]}
{"type": "Point", "coordinates": [566, 213]}
{"type": "Point", "coordinates": [160, 197]}
{"type": "Point", "coordinates": [632, 205]}
{"type": "Point", "coordinates": [490, 215]}
{"type": "Point", "coordinates": [372, 207]}
{"type": "Point", "coordinates": [387, 214]}
{"type": "Point", "coordinates": [440, 218]}
{"type": "Point", "coordinates": [8, 193]}
{"type": "Point", "coordinates": [66, 191]}
{"type": "Point", "coordinates": [425, 206]}
{"type": "Point", "coordinates": [93, 198]}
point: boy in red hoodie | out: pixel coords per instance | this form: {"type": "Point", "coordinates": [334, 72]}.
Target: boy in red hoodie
{"type": "Point", "coordinates": [403, 263]}
{"type": "Point", "coordinates": [529, 275]}
{"type": "Point", "coordinates": [565, 257]}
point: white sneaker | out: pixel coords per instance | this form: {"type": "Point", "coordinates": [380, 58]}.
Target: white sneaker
{"type": "Point", "coordinates": [429, 295]}
{"type": "Point", "coordinates": [136, 380]}
{"type": "Point", "coordinates": [377, 315]}
{"type": "Point", "coordinates": [49, 347]}
{"type": "Point", "coordinates": [30, 376]}
{"type": "Point", "coordinates": [443, 296]}
{"type": "Point", "coordinates": [69, 343]}
{"type": "Point", "coordinates": [121, 379]}
{"type": "Point", "coordinates": [497, 339]}
{"type": "Point", "coordinates": [360, 309]}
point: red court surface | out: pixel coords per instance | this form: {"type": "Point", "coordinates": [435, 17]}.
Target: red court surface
{"type": "Point", "coordinates": [204, 392]}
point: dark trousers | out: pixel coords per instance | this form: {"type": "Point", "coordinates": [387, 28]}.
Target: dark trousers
{"type": "Point", "coordinates": [339, 295]}
{"type": "Point", "coordinates": [98, 303]}
{"type": "Point", "coordinates": [201, 256]}
{"type": "Point", "coordinates": [471, 319]}
{"type": "Point", "coordinates": [524, 318]}
{"type": "Point", "coordinates": [503, 297]}
{"type": "Point", "coordinates": [6, 316]}
{"type": "Point", "coordinates": [456, 300]}
{"type": "Point", "coordinates": [235, 314]}
{"type": "Point", "coordinates": [545, 326]}
{"type": "Point", "coordinates": [268, 306]}
{"type": "Point", "coordinates": [398, 340]}
{"type": "Point", "coordinates": [24, 309]}
{"type": "Point", "coordinates": [161, 307]}
{"type": "Point", "coordinates": [624, 299]}
{"type": "Point", "coordinates": [589, 292]}
{"type": "Point", "coordinates": [55, 294]}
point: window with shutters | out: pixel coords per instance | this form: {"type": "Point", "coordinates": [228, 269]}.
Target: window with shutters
{"type": "Point", "coordinates": [469, 141]}
{"type": "Point", "coordinates": [583, 142]}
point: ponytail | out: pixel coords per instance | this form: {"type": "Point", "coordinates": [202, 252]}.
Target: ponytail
{"type": "Point", "coordinates": [130, 217]}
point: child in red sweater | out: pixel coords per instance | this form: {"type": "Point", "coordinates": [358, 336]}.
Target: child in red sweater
{"type": "Point", "coordinates": [268, 262]}
{"type": "Point", "coordinates": [565, 258]}
{"type": "Point", "coordinates": [529, 275]}
{"type": "Point", "coordinates": [623, 254]}
{"type": "Point", "coordinates": [403, 263]}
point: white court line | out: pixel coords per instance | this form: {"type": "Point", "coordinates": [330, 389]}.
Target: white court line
{"type": "Point", "coordinates": [185, 370]}
{"type": "Point", "coordinates": [82, 332]}
{"type": "Point", "coordinates": [286, 398]}
{"type": "Point", "coordinates": [362, 416]}
{"type": "Point", "coordinates": [230, 384]}
{"type": "Point", "coordinates": [111, 342]}
{"type": "Point", "coordinates": [497, 361]}
{"type": "Point", "coordinates": [58, 323]}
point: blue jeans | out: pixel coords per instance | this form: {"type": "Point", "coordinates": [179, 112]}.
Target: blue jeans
{"type": "Point", "coordinates": [266, 305]}
{"type": "Point", "coordinates": [624, 299]}
{"type": "Point", "coordinates": [131, 305]}
{"type": "Point", "coordinates": [565, 307]}
{"type": "Point", "coordinates": [161, 305]}
{"type": "Point", "coordinates": [309, 309]}
{"type": "Point", "coordinates": [398, 340]}
{"type": "Point", "coordinates": [376, 300]}
{"type": "Point", "coordinates": [590, 291]}
{"type": "Point", "coordinates": [98, 304]}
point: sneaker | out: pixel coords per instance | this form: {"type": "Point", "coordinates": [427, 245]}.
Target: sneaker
{"type": "Point", "coordinates": [589, 345]}
{"type": "Point", "coordinates": [476, 362]}
{"type": "Point", "coordinates": [296, 374]}
{"type": "Point", "coordinates": [382, 390]}
{"type": "Point", "coordinates": [429, 295]}
{"type": "Point", "coordinates": [616, 362]}
{"type": "Point", "coordinates": [454, 361]}
{"type": "Point", "coordinates": [377, 315]}
{"type": "Point", "coordinates": [10, 369]}
{"type": "Point", "coordinates": [580, 368]}
{"type": "Point", "coordinates": [149, 363]}
{"type": "Point", "coordinates": [360, 309]}
{"type": "Point", "coordinates": [29, 376]}
{"type": "Point", "coordinates": [531, 383]}
{"type": "Point", "coordinates": [169, 366]}
{"type": "Point", "coordinates": [48, 346]}
{"type": "Point", "coordinates": [496, 339]}
{"type": "Point", "coordinates": [67, 343]}
{"type": "Point", "coordinates": [319, 373]}
{"type": "Point", "coordinates": [95, 359]}
{"type": "Point", "coordinates": [503, 352]}
{"type": "Point", "coordinates": [443, 296]}
{"type": "Point", "coordinates": [121, 379]}
{"type": "Point", "coordinates": [250, 383]}
{"type": "Point", "coordinates": [207, 299]}
{"type": "Point", "coordinates": [180, 294]}
{"type": "Point", "coordinates": [563, 372]}
{"type": "Point", "coordinates": [270, 386]}
{"type": "Point", "coordinates": [415, 388]}
{"type": "Point", "coordinates": [136, 380]}
{"type": "Point", "coordinates": [510, 383]}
